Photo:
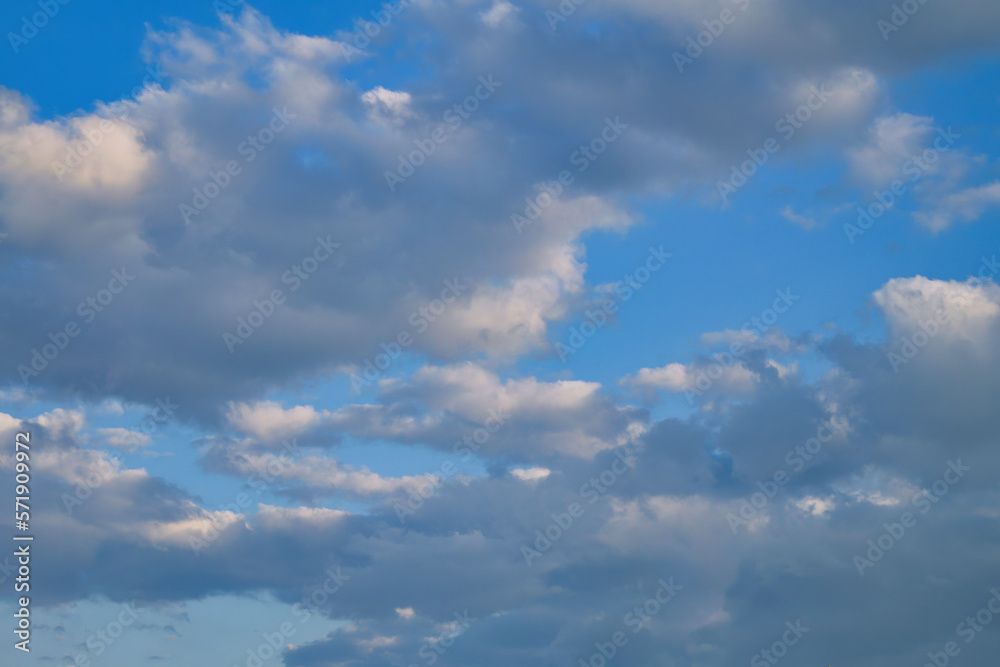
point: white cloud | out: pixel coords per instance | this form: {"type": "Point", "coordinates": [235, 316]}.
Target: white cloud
{"type": "Point", "coordinates": [269, 421]}
{"type": "Point", "coordinates": [957, 310]}
{"type": "Point", "coordinates": [271, 516]}
{"type": "Point", "coordinates": [498, 12]}
{"type": "Point", "coordinates": [388, 106]}
{"type": "Point", "coordinates": [732, 378]}
{"type": "Point", "coordinates": [816, 506]}
{"type": "Point", "coordinates": [525, 418]}
{"type": "Point", "coordinates": [124, 439]}
{"type": "Point", "coordinates": [802, 221]}
{"type": "Point", "coordinates": [200, 525]}
{"type": "Point", "coordinates": [963, 206]}
{"type": "Point", "coordinates": [320, 475]}
{"type": "Point", "coordinates": [773, 340]}
{"type": "Point", "coordinates": [891, 142]}
{"type": "Point", "coordinates": [63, 423]}
{"type": "Point", "coordinates": [665, 517]}
{"type": "Point", "coordinates": [878, 487]}
{"type": "Point", "coordinates": [531, 474]}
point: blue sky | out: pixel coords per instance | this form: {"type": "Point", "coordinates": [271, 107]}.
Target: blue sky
{"type": "Point", "coordinates": [209, 153]}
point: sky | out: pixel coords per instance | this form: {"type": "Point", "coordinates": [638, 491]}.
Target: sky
{"type": "Point", "coordinates": [481, 332]}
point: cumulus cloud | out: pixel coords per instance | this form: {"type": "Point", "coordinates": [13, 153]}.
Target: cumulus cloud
{"type": "Point", "coordinates": [464, 410]}
{"type": "Point", "coordinates": [860, 425]}
{"type": "Point", "coordinates": [121, 205]}
{"type": "Point", "coordinates": [499, 11]}
{"type": "Point", "coordinates": [678, 378]}
{"type": "Point", "coordinates": [892, 141]}
{"type": "Point", "coordinates": [267, 420]}
{"type": "Point", "coordinates": [319, 476]}
{"type": "Point", "coordinates": [123, 438]}
{"type": "Point", "coordinates": [964, 206]}
{"type": "Point", "coordinates": [664, 518]}
{"type": "Point", "coordinates": [391, 106]}
{"type": "Point", "coordinates": [964, 311]}
{"type": "Point", "coordinates": [206, 119]}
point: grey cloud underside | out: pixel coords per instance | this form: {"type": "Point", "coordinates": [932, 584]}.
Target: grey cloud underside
{"type": "Point", "coordinates": [461, 550]}
{"type": "Point", "coordinates": [163, 335]}
{"type": "Point", "coordinates": [665, 518]}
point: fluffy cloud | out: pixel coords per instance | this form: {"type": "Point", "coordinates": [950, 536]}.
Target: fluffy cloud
{"type": "Point", "coordinates": [171, 150]}
{"type": "Point", "coordinates": [892, 142]}
{"type": "Point", "coordinates": [664, 519]}
{"type": "Point", "coordinates": [121, 205]}
{"type": "Point", "coordinates": [449, 407]}
{"type": "Point", "coordinates": [268, 421]}
{"type": "Point", "coordinates": [963, 206]}
{"type": "Point", "coordinates": [679, 378]}
{"type": "Point", "coordinates": [861, 427]}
